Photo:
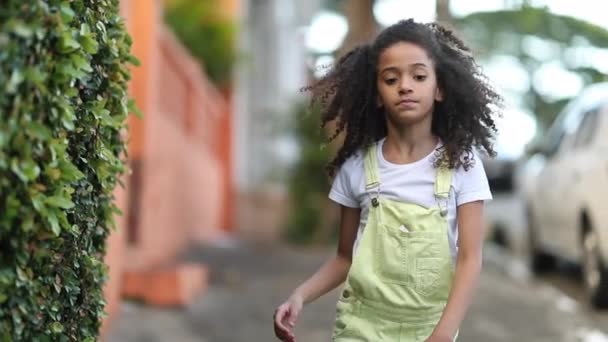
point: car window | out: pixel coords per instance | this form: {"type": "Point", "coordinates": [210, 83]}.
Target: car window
{"type": "Point", "coordinates": [586, 130]}
{"type": "Point", "coordinates": [553, 142]}
{"type": "Point", "coordinates": [561, 133]}
{"type": "Point", "coordinates": [555, 135]}
{"type": "Point", "coordinates": [601, 134]}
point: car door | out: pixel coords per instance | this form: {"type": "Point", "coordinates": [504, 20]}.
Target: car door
{"type": "Point", "coordinates": [545, 201]}
{"type": "Point", "coordinates": [593, 185]}
{"type": "Point", "coordinates": [550, 203]}
{"type": "Point", "coordinates": [579, 159]}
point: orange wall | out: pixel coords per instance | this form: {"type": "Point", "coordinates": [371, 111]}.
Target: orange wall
{"type": "Point", "coordinates": [177, 194]}
{"type": "Point", "coordinates": [180, 195]}
{"type": "Point", "coordinates": [231, 8]}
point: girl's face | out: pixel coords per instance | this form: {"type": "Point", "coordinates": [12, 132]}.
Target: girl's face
{"type": "Point", "coordinates": [407, 84]}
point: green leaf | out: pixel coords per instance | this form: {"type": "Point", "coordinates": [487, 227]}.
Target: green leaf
{"type": "Point", "coordinates": [3, 137]}
{"type": "Point", "coordinates": [58, 148]}
{"type": "Point", "coordinates": [35, 75]}
{"type": "Point", "coordinates": [21, 275]}
{"type": "Point", "coordinates": [134, 61]}
{"type": "Point", "coordinates": [41, 33]}
{"type": "Point", "coordinates": [134, 109]}
{"type": "Point", "coordinates": [39, 131]}
{"type": "Point", "coordinates": [70, 172]}
{"type": "Point", "coordinates": [56, 328]}
{"type": "Point", "coordinates": [71, 92]}
{"type": "Point", "coordinates": [80, 63]}
{"type": "Point", "coordinates": [27, 170]}
{"type": "Point", "coordinates": [28, 224]}
{"type": "Point", "coordinates": [68, 123]}
{"type": "Point", "coordinates": [22, 30]}
{"type": "Point", "coordinates": [67, 43]}
{"type": "Point", "coordinates": [85, 29]}
{"type": "Point", "coordinates": [107, 155]}
{"type": "Point", "coordinates": [54, 222]}
{"type": "Point", "coordinates": [14, 81]}
{"type": "Point", "coordinates": [60, 202]}
{"type": "Point", "coordinates": [89, 44]}
{"type": "Point", "coordinates": [101, 27]}
{"type": "Point", "coordinates": [67, 14]}
{"type": "Point", "coordinates": [38, 203]}
{"type": "Point", "coordinates": [53, 173]}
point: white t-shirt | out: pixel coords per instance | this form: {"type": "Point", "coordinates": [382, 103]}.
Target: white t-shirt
{"type": "Point", "coordinates": [411, 183]}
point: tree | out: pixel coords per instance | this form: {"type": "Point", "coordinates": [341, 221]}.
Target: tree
{"type": "Point", "coordinates": [207, 33]}
{"type": "Point", "coordinates": [503, 33]}
{"type": "Point", "coordinates": [442, 8]}
{"type": "Point", "coordinates": [362, 26]}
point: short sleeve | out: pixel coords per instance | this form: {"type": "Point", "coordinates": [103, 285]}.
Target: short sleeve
{"type": "Point", "coordinates": [472, 185]}
{"type": "Point", "coordinates": [341, 190]}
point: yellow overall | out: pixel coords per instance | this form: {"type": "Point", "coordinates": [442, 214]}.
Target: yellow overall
{"type": "Point", "coordinates": [402, 270]}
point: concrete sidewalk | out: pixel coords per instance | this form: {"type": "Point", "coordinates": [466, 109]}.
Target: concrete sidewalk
{"type": "Point", "coordinates": [248, 282]}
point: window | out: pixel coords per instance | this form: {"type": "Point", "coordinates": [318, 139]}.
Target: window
{"type": "Point", "coordinates": [569, 124]}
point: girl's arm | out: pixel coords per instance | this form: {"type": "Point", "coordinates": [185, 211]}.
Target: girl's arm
{"type": "Point", "coordinates": [334, 271]}
{"type": "Point", "coordinates": [468, 268]}
{"type": "Point", "coordinates": [328, 277]}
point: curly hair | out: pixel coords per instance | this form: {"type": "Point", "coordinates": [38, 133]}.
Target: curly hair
{"type": "Point", "coordinates": [463, 121]}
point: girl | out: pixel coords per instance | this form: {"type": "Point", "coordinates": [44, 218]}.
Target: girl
{"type": "Point", "coordinates": [414, 106]}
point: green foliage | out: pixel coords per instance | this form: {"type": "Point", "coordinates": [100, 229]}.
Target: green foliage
{"type": "Point", "coordinates": [63, 108]}
{"type": "Point", "coordinates": [208, 35]}
{"type": "Point", "coordinates": [533, 21]}
{"type": "Point", "coordinates": [308, 184]}
{"type": "Point", "coordinates": [503, 33]}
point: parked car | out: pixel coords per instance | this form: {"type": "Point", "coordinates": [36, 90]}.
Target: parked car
{"type": "Point", "coordinates": [499, 171]}
{"type": "Point", "coordinates": [564, 187]}
{"type": "Point", "coordinates": [515, 129]}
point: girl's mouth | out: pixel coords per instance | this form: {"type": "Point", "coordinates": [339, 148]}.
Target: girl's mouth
{"type": "Point", "coordinates": [407, 103]}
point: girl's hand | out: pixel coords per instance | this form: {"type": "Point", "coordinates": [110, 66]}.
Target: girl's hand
{"type": "Point", "coordinates": [285, 318]}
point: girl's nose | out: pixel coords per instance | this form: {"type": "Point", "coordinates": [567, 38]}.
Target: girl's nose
{"type": "Point", "coordinates": [405, 87]}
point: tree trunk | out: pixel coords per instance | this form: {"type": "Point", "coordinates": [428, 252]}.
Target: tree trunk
{"type": "Point", "coordinates": [362, 26]}
{"type": "Point", "coordinates": [444, 16]}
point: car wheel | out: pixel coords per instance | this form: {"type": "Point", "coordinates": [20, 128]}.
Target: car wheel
{"type": "Point", "coordinates": [539, 260]}
{"type": "Point", "coordinates": [595, 274]}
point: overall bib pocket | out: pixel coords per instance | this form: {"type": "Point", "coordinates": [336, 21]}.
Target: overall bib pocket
{"type": "Point", "coordinates": [409, 258]}
{"type": "Point", "coordinates": [424, 257]}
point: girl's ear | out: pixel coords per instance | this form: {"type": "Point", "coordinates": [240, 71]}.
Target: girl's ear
{"type": "Point", "coordinates": [438, 95]}
{"type": "Point", "coordinates": [379, 103]}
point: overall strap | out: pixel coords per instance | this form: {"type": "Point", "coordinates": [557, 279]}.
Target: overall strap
{"type": "Point", "coordinates": [443, 183]}
{"type": "Point", "coordinates": [372, 179]}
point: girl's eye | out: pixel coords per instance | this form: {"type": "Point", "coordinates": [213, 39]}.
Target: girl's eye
{"type": "Point", "coordinates": [420, 77]}
{"type": "Point", "coordinates": [390, 81]}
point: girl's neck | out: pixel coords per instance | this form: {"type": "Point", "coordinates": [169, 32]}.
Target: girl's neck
{"type": "Point", "coordinates": [408, 144]}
